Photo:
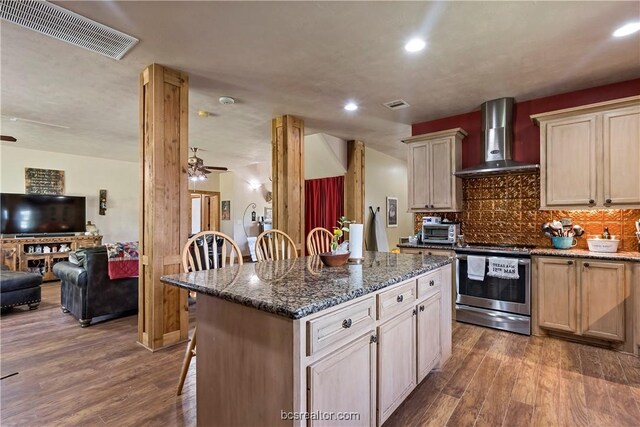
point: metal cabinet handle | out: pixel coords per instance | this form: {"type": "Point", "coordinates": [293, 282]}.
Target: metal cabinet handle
{"type": "Point", "coordinates": [346, 323]}
{"type": "Point", "coordinates": [422, 308]}
{"type": "Point", "coordinates": [400, 298]}
{"type": "Point", "coordinates": [429, 253]}
{"type": "Point", "coordinates": [373, 339]}
{"type": "Point", "coordinates": [569, 262]}
{"type": "Point", "coordinates": [426, 206]}
{"type": "Point", "coordinates": [586, 264]}
{"type": "Point", "coordinates": [591, 201]}
{"type": "Point", "coordinates": [431, 283]}
{"type": "Point", "coordinates": [415, 311]}
{"type": "Point", "coordinates": [608, 201]}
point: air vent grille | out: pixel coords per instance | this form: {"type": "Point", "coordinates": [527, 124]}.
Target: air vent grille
{"type": "Point", "coordinates": [398, 104]}
{"type": "Point", "coordinates": [62, 24]}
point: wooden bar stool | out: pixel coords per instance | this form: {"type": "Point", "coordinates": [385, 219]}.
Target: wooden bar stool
{"type": "Point", "coordinates": [275, 245]}
{"type": "Point", "coordinates": [319, 241]}
{"type": "Point", "coordinates": [202, 252]}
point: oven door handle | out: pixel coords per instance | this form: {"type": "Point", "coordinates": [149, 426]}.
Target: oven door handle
{"type": "Point", "coordinates": [521, 261]}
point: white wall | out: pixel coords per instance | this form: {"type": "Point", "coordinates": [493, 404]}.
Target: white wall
{"type": "Point", "coordinates": [324, 156]}
{"type": "Point", "coordinates": [84, 176]}
{"type": "Point", "coordinates": [235, 186]}
{"type": "Point", "coordinates": [387, 176]}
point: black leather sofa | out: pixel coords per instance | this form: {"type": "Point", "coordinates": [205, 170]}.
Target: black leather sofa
{"type": "Point", "coordinates": [19, 288]}
{"type": "Point", "coordinates": [89, 294]}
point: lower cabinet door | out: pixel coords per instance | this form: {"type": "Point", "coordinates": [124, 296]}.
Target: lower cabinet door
{"type": "Point", "coordinates": [603, 290]}
{"type": "Point", "coordinates": [342, 385]}
{"type": "Point", "coordinates": [396, 362]}
{"type": "Point", "coordinates": [557, 294]}
{"type": "Point", "coordinates": [428, 339]}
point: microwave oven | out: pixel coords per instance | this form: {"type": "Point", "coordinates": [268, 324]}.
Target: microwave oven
{"type": "Point", "coordinates": [440, 233]}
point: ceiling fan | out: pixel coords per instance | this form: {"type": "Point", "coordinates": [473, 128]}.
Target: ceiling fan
{"type": "Point", "coordinates": [197, 170]}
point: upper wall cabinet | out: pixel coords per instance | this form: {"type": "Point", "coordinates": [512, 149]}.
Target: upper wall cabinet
{"type": "Point", "coordinates": [433, 159]}
{"type": "Point", "coordinates": [589, 156]}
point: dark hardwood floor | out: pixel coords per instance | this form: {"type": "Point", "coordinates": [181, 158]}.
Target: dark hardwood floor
{"type": "Point", "coordinates": [100, 376]}
{"type": "Point", "coordinates": [92, 376]}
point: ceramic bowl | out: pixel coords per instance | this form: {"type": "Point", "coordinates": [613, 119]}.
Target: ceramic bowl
{"type": "Point", "coordinates": [331, 260]}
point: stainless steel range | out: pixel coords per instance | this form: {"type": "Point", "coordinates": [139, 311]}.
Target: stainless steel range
{"type": "Point", "coordinates": [493, 284]}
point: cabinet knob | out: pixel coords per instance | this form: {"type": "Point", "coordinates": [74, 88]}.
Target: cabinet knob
{"type": "Point", "coordinates": [346, 323]}
{"type": "Point", "coordinates": [569, 262]}
{"type": "Point", "coordinates": [592, 202]}
{"type": "Point", "coordinates": [608, 201]}
{"type": "Point", "coordinates": [400, 298]}
{"type": "Point", "coordinates": [586, 264]}
{"type": "Point", "coordinates": [429, 253]}
{"type": "Point", "coordinates": [426, 206]}
{"type": "Point", "coordinates": [422, 308]}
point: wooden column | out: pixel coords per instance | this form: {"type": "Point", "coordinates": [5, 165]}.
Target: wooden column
{"type": "Point", "coordinates": [287, 133]}
{"type": "Point", "coordinates": [163, 317]}
{"type": "Point", "coordinates": [354, 182]}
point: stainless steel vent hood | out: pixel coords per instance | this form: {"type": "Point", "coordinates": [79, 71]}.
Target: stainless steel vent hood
{"type": "Point", "coordinates": [497, 139]}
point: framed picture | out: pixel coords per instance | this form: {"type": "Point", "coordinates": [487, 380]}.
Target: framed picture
{"type": "Point", "coordinates": [226, 210]}
{"type": "Point", "coordinates": [392, 211]}
{"type": "Point", "coordinates": [268, 214]}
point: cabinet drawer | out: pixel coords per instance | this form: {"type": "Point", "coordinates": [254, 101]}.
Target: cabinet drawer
{"type": "Point", "coordinates": [341, 324]}
{"type": "Point", "coordinates": [429, 284]}
{"type": "Point", "coordinates": [395, 300]}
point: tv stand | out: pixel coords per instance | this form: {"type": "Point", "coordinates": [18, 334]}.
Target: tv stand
{"type": "Point", "coordinates": [16, 254]}
{"type": "Point", "coordinates": [36, 235]}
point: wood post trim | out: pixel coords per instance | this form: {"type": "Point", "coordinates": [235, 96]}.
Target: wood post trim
{"type": "Point", "coordinates": [354, 182]}
{"type": "Point", "coordinates": [163, 317]}
{"type": "Point", "coordinates": [288, 177]}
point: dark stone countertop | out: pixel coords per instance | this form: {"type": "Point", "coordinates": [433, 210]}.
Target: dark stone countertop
{"type": "Point", "coordinates": [448, 247]}
{"type": "Point", "coordinates": [300, 287]}
{"type": "Point", "coordinates": [584, 253]}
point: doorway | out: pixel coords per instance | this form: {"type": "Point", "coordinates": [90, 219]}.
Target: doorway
{"type": "Point", "coordinates": [205, 211]}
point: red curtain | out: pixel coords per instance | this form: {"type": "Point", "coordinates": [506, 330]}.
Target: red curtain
{"type": "Point", "coordinates": [323, 202]}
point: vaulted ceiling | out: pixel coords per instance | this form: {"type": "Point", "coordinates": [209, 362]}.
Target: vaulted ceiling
{"type": "Point", "coordinates": [306, 59]}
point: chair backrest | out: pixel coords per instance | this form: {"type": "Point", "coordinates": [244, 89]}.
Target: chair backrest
{"type": "Point", "coordinates": [210, 249]}
{"type": "Point", "coordinates": [319, 241]}
{"type": "Point", "coordinates": [275, 245]}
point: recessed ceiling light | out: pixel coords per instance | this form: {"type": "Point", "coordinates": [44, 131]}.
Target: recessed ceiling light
{"type": "Point", "coordinates": [351, 106]}
{"type": "Point", "coordinates": [415, 45]}
{"type": "Point", "coordinates": [226, 100]}
{"type": "Point", "coordinates": [627, 29]}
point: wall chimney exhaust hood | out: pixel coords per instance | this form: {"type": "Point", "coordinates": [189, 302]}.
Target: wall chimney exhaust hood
{"type": "Point", "coordinates": [497, 139]}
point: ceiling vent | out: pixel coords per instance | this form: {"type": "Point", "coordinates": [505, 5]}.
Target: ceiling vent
{"type": "Point", "coordinates": [398, 104]}
{"type": "Point", "coordinates": [59, 23]}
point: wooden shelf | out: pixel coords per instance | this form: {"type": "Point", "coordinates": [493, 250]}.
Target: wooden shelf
{"type": "Point", "coordinates": [13, 251]}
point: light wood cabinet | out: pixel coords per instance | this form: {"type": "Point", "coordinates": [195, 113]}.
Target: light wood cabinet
{"type": "Point", "coordinates": [428, 335]}
{"type": "Point", "coordinates": [585, 297]}
{"type": "Point", "coordinates": [589, 156]}
{"type": "Point", "coordinates": [9, 255]}
{"type": "Point", "coordinates": [396, 362]}
{"type": "Point", "coordinates": [603, 295]}
{"type": "Point", "coordinates": [345, 381]}
{"type": "Point", "coordinates": [557, 293]}
{"type": "Point", "coordinates": [433, 159]}
{"type": "Point", "coordinates": [621, 171]}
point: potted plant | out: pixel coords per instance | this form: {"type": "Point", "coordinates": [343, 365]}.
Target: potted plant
{"type": "Point", "coordinates": [338, 256]}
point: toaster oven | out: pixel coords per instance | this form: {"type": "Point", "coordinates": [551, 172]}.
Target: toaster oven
{"type": "Point", "coordinates": [440, 233]}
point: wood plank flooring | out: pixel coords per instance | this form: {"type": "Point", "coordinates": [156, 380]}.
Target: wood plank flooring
{"type": "Point", "coordinates": [92, 376]}
{"type": "Point", "coordinates": [99, 375]}
{"type": "Point", "coordinates": [497, 378]}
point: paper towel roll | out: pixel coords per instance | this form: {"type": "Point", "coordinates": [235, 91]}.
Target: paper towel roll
{"type": "Point", "coordinates": [356, 232]}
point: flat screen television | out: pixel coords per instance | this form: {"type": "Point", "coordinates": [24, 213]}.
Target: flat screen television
{"type": "Point", "coordinates": [40, 214]}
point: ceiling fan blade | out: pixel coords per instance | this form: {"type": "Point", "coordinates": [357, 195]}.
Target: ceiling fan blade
{"type": "Point", "coordinates": [7, 138]}
{"type": "Point", "coordinates": [217, 168]}
{"type": "Point", "coordinates": [205, 171]}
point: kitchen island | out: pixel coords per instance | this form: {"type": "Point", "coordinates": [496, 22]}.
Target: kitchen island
{"type": "Point", "coordinates": [294, 342]}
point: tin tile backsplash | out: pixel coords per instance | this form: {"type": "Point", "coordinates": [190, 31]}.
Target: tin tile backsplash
{"type": "Point", "coordinates": [505, 209]}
